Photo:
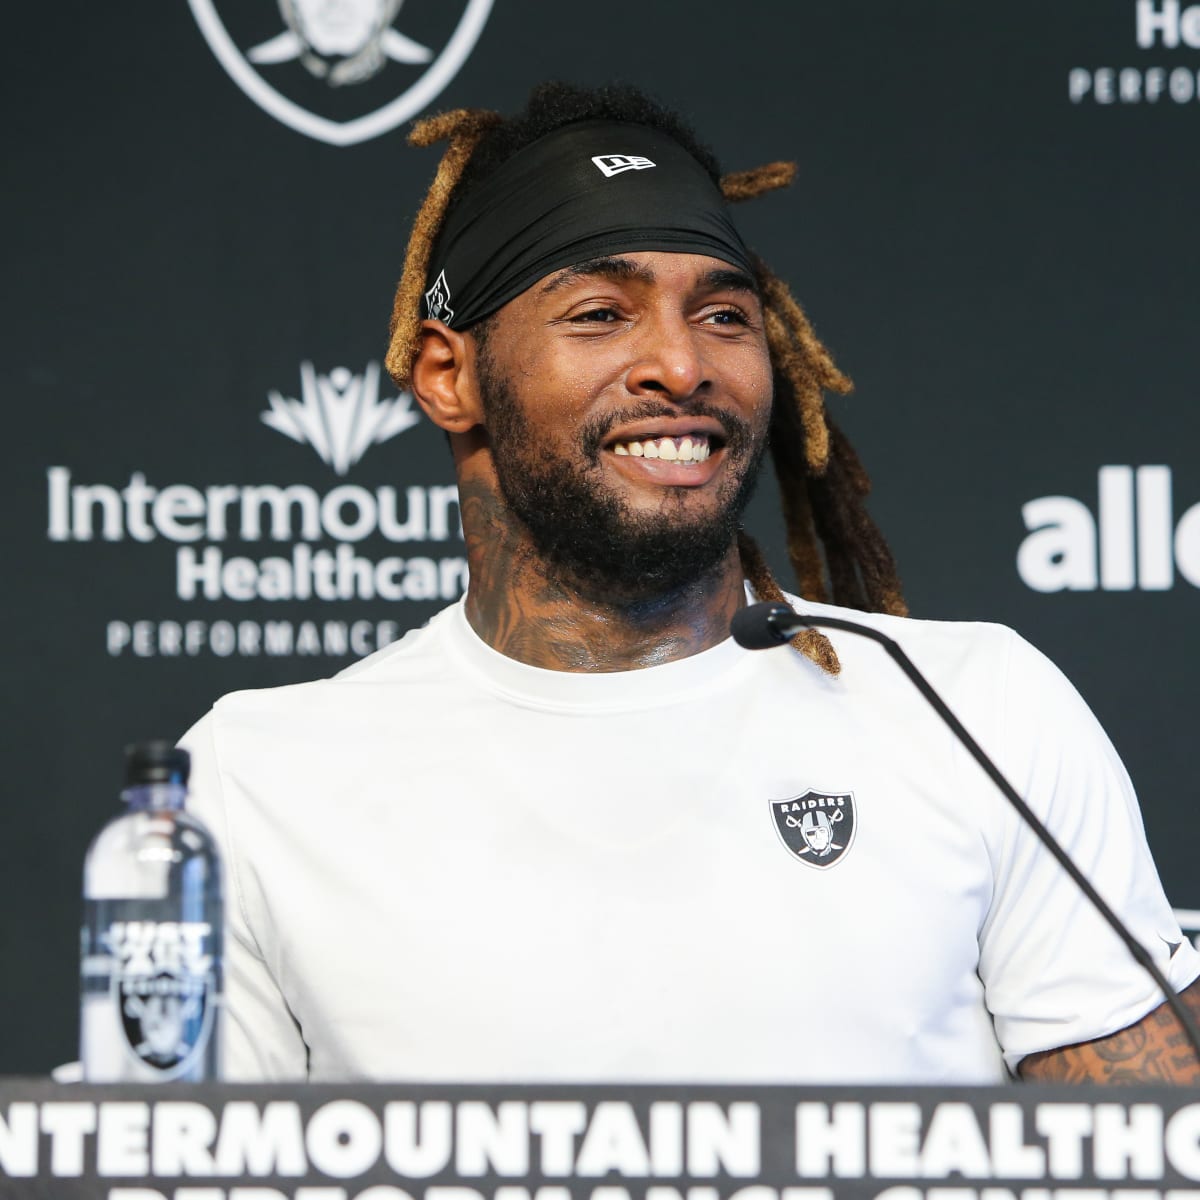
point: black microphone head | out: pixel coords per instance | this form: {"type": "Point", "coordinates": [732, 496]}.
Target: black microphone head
{"type": "Point", "coordinates": [754, 629]}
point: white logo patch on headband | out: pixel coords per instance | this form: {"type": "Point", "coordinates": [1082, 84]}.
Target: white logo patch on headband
{"type": "Point", "coordinates": [437, 300]}
{"type": "Point", "coordinates": [614, 164]}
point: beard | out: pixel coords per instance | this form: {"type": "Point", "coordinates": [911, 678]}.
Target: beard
{"type": "Point", "coordinates": [590, 537]}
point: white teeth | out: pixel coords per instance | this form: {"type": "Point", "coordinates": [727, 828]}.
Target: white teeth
{"type": "Point", "coordinates": [685, 449]}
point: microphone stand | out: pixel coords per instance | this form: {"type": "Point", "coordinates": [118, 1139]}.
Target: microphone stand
{"type": "Point", "coordinates": [776, 615]}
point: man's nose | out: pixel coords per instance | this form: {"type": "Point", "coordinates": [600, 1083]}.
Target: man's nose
{"type": "Point", "coordinates": [669, 362]}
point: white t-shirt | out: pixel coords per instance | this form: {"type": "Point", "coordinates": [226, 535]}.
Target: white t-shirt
{"type": "Point", "coordinates": [444, 865]}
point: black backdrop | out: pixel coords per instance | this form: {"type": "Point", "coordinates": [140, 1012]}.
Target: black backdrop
{"type": "Point", "coordinates": [994, 227]}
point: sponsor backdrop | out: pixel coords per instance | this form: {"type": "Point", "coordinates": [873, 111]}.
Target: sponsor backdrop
{"type": "Point", "coordinates": [210, 484]}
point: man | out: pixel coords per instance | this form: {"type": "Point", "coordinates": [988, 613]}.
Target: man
{"type": "Point", "coordinates": [567, 831]}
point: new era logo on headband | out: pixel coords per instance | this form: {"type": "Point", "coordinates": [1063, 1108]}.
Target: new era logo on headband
{"type": "Point", "coordinates": [614, 164]}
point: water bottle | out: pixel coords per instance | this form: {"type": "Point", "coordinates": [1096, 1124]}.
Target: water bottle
{"type": "Point", "coordinates": [151, 954]}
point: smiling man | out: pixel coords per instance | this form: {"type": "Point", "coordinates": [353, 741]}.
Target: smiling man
{"type": "Point", "coordinates": [569, 830]}
{"type": "Point", "coordinates": [573, 449]}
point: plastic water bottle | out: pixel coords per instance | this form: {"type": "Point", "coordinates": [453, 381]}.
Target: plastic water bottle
{"type": "Point", "coordinates": [152, 938]}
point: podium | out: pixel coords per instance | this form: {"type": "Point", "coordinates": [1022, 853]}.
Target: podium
{"type": "Point", "coordinates": [603, 1142]}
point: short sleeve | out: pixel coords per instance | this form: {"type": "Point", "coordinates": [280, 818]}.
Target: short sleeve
{"type": "Point", "coordinates": [261, 1039]}
{"type": "Point", "coordinates": [1054, 972]}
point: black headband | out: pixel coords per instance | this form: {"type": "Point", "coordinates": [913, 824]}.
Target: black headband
{"type": "Point", "coordinates": [586, 190]}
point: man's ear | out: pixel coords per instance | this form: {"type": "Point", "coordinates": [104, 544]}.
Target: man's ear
{"type": "Point", "coordinates": [444, 380]}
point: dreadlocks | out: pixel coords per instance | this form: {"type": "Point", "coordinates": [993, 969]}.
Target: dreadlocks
{"type": "Point", "coordinates": [835, 549]}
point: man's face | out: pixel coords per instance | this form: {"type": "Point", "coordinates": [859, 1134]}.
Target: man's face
{"type": "Point", "coordinates": [626, 403]}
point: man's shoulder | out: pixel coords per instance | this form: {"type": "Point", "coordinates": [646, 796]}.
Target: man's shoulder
{"type": "Point", "coordinates": [998, 683]}
{"type": "Point", "coordinates": [416, 659]}
{"type": "Point", "coordinates": [954, 639]}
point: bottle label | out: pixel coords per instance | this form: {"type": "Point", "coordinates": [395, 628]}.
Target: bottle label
{"type": "Point", "coordinates": [163, 986]}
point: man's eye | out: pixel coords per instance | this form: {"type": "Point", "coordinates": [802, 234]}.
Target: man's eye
{"type": "Point", "coordinates": [596, 315]}
{"type": "Point", "coordinates": [727, 316]}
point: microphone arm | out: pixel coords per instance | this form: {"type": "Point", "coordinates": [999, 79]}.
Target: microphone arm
{"type": "Point", "coordinates": [761, 626]}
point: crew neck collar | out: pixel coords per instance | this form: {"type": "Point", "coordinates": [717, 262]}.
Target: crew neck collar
{"type": "Point", "coordinates": [642, 687]}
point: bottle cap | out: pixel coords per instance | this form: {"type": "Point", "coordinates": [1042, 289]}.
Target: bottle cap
{"type": "Point", "coordinates": [156, 762]}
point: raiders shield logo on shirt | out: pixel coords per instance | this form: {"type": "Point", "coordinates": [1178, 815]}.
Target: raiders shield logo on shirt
{"type": "Point", "coordinates": [817, 827]}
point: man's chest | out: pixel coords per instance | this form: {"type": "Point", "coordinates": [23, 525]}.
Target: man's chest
{"type": "Point", "coordinates": [620, 900]}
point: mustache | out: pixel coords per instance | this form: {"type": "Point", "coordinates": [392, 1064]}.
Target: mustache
{"type": "Point", "coordinates": [737, 430]}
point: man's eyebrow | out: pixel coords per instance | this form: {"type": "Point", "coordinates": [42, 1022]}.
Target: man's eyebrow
{"type": "Point", "coordinates": [607, 267]}
{"type": "Point", "coordinates": [624, 270]}
{"type": "Point", "coordinates": [727, 279]}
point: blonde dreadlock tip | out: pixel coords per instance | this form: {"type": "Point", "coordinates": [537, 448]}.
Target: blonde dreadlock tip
{"type": "Point", "coordinates": [818, 649]}
{"type": "Point", "coordinates": [430, 129]}
{"type": "Point", "coordinates": [399, 369]}
{"type": "Point", "coordinates": [816, 455]}
{"type": "Point", "coordinates": [454, 123]}
{"type": "Point", "coordinates": [747, 185]}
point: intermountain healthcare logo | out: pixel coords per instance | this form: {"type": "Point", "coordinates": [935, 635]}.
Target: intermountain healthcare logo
{"type": "Point", "coordinates": [1164, 27]}
{"type": "Point", "coordinates": [322, 546]}
{"type": "Point", "coordinates": [340, 414]}
{"type": "Point", "coordinates": [343, 43]}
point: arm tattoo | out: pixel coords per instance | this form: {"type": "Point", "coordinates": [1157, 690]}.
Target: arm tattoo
{"type": "Point", "coordinates": [1154, 1050]}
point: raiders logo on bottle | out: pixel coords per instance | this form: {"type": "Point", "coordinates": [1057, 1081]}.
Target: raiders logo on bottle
{"type": "Point", "coordinates": [163, 987]}
{"type": "Point", "coordinates": [817, 827]}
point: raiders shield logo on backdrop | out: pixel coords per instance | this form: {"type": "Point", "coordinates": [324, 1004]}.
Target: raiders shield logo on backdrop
{"type": "Point", "coordinates": [341, 71]}
{"type": "Point", "coordinates": [817, 827]}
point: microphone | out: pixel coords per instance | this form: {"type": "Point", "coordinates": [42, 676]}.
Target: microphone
{"type": "Point", "coordinates": [761, 626]}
